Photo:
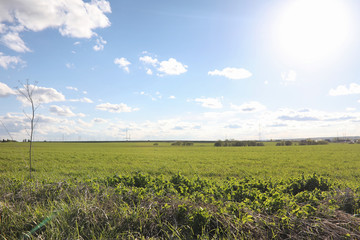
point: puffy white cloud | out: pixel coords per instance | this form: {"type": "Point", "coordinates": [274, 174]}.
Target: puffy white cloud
{"type": "Point", "coordinates": [172, 67]}
{"type": "Point", "coordinates": [123, 63]}
{"type": "Point", "coordinates": [8, 61]}
{"type": "Point", "coordinates": [231, 73]}
{"type": "Point", "coordinates": [42, 95]}
{"type": "Point", "coordinates": [72, 18]}
{"type": "Point", "coordinates": [61, 111]}
{"type": "Point", "coordinates": [100, 42]}
{"type": "Point", "coordinates": [149, 60]}
{"type": "Point", "coordinates": [209, 102]}
{"type": "Point", "coordinates": [5, 90]}
{"type": "Point", "coordinates": [343, 90]}
{"type": "Point", "coordinates": [249, 107]}
{"type": "Point", "coordinates": [169, 67]}
{"type": "Point", "coordinates": [172, 97]}
{"type": "Point", "coordinates": [289, 76]}
{"type": "Point", "coordinates": [115, 108]}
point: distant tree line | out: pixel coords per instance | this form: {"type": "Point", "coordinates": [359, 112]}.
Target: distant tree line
{"type": "Point", "coordinates": [236, 143]}
{"type": "Point", "coordinates": [182, 143]}
{"type": "Point", "coordinates": [284, 143]}
{"type": "Point", "coordinates": [302, 142]}
{"type": "Point", "coordinates": [8, 140]}
{"type": "Point", "coordinates": [313, 142]}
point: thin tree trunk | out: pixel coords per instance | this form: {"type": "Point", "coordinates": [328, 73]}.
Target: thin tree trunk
{"type": "Point", "coordinates": [31, 134]}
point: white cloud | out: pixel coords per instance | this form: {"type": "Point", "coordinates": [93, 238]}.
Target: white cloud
{"type": "Point", "coordinates": [172, 97]}
{"type": "Point", "coordinates": [115, 108]}
{"type": "Point", "coordinates": [3, 28]}
{"type": "Point", "coordinates": [100, 42]}
{"type": "Point", "coordinates": [61, 111]}
{"type": "Point", "coordinates": [210, 102]}
{"type": "Point", "coordinates": [350, 109]}
{"type": "Point", "coordinates": [123, 63]}
{"type": "Point", "coordinates": [231, 73]}
{"type": "Point", "coordinates": [84, 124]}
{"type": "Point", "coordinates": [72, 18]}
{"type": "Point", "coordinates": [70, 65]}
{"type": "Point", "coordinates": [249, 107]}
{"type": "Point", "coordinates": [169, 67]}
{"type": "Point", "coordinates": [5, 90]}
{"type": "Point", "coordinates": [343, 90]}
{"type": "Point", "coordinates": [76, 43]}
{"type": "Point", "coordinates": [149, 72]}
{"type": "Point", "coordinates": [172, 67]}
{"type": "Point", "coordinates": [42, 95]}
{"type": "Point", "coordinates": [149, 60]}
{"type": "Point", "coordinates": [72, 88]}
{"type": "Point", "coordinates": [9, 61]}
{"type": "Point", "coordinates": [151, 96]}
{"type": "Point", "coordinates": [13, 41]}
{"type": "Point", "coordinates": [84, 100]}
{"type": "Point", "coordinates": [289, 76]}
{"type": "Point", "coordinates": [99, 120]}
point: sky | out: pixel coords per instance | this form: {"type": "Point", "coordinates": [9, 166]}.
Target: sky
{"type": "Point", "coordinates": [180, 70]}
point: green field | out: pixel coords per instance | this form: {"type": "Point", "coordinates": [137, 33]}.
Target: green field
{"type": "Point", "coordinates": [138, 190]}
{"type": "Point", "coordinates": [59, 161]}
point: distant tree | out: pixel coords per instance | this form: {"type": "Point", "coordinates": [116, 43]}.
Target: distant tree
{"type": "Point", "coordinates": [182, 143]}
{"type": "Point", "coordinates": [27, 91]}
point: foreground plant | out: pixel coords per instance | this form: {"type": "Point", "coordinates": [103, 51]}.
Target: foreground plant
{"type": "Point", "coordinates": [142, 206]}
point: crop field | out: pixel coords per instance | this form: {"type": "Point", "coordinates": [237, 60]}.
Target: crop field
{"type": "Point", "coordinates": [59, 161]}
{"type": "Point", "coordinates": [141, 190]}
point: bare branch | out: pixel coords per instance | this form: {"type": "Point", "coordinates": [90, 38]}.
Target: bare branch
{"type": "Point", "coordinates": [7, 130]}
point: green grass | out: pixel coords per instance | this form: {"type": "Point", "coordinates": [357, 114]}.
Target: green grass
{"type": "Point", "coordinates": [60, 161]}
{"type": "Point", "coordinates": [135, 191]}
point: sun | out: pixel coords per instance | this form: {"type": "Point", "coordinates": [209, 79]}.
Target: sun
{"type": "Point", "coordinates": [311, 31]}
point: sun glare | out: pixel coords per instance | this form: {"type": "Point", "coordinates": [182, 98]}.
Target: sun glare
{"type": "Point", "coordinates": [310, 31]}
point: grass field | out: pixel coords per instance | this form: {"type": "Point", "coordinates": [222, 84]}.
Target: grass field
{"type": "Point", "coordinates": [59, 161]}
{"type": "Point", "coordinates": [141, 191]}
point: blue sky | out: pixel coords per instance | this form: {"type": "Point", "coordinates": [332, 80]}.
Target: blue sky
{"type": "Point", "coordinates": [192, 70]}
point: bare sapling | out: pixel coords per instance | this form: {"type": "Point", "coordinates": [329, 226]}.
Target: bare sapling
{"type": "Point", "coordinates": [27, 91]}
